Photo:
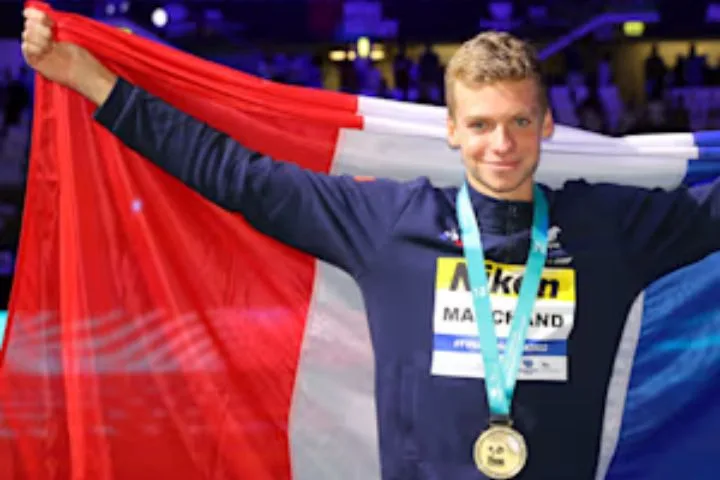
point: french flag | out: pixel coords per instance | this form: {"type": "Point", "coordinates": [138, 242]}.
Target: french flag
{"type": "Point", "coordinates": [153, 335]}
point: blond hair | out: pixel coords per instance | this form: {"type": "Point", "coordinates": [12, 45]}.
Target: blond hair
{"type": "Point", "coordinates": [492, 57]}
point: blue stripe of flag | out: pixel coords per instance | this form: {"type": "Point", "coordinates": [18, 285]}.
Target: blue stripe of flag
{"type": "Point", "coordinates": [709, 138]}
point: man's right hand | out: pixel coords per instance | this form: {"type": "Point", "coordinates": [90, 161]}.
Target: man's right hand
{"type": "Point", "coordinates": [64, 63]}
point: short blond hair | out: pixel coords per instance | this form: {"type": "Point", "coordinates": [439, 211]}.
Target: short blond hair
{"type": "Point", "coordinates": [492, 57]}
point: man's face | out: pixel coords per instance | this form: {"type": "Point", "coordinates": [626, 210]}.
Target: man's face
{"type": "Point", "coordinates": [498, 128]}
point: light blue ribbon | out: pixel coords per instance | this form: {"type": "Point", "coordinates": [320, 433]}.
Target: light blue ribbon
{"type": "Point", "coordinates": [501, 373]}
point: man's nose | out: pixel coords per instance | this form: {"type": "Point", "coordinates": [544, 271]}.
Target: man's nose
{"type": "Point", "coordinates": [502, 141]}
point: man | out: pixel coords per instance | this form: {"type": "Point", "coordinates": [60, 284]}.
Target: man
{"type": "Point", "coordinates": [414, 251]}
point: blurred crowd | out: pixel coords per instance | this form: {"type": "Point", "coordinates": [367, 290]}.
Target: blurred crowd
{"type": "Point", "coordinates": [417, 80]}
{"type": "Point", "coordinates": [14, 101]}
{"type": "Point", "coordinates": [584, 95]}
{"type": "Point", "coordinates": [413, 80]}
{"type": "Point", "coordinates": [589, 92]}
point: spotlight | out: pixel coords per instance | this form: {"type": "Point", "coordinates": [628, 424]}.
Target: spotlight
{"type": "Point", "coordinates": [160, 17]}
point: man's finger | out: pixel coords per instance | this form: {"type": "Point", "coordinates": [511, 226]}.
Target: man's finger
{"type": "Point", "coordinates": [25, 48]}
{"type": "Point", "coordinates": [37, 47]}
{"type": "Point", "coordinates": [31, 51]}
{"type": "Point", "coordinates": [37, 33]}
{"type": "Point", "coordinates": [34, 13]}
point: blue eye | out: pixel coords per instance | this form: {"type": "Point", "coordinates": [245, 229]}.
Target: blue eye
{"type": "Point", "coordinates": [522, 122]}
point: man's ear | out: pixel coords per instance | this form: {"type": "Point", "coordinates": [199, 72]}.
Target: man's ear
{"type": "Point", "coordinates": [452, 133]}
{"type": "Point", "coordinates": [548, 127]}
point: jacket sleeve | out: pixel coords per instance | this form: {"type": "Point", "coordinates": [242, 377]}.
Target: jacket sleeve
{"type": "Point", "coordinates": [665, 230]}
{"type": "Point", "coordinates": [334, 218]}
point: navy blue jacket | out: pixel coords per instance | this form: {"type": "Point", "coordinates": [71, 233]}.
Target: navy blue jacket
{"type": "Point", "coordinates": [388, 236]}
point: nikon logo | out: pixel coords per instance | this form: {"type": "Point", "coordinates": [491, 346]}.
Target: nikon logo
{"type": "Point", "coordinates": [503, 282]}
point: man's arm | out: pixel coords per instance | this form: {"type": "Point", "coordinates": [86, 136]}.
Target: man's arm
{"type": "Point", "coordinates": [334, 218]}
{"type": "Point", "coordinates": [666, 230]}
{"type": "Point", "coordinates": [337, 219]}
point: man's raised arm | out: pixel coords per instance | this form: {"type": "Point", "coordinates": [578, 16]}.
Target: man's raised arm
{"type": "Point", "coordinates": [336, 219]}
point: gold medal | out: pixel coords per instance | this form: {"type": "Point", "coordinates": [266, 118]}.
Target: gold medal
{"type": "Point", "coordinates": [500, 452]}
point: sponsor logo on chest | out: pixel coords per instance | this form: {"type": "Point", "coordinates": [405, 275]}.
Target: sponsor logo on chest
{"type": "Point", "coordinates": [456, 349]}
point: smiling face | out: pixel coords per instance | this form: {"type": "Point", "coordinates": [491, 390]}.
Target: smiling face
{"type": "Point", "coordinates": [497, 113]}
{"type": "Point", "coordinates": [498, 128]}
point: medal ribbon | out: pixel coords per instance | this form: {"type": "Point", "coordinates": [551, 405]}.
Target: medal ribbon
{"type": "Point", "coordinates": [501, 373]}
